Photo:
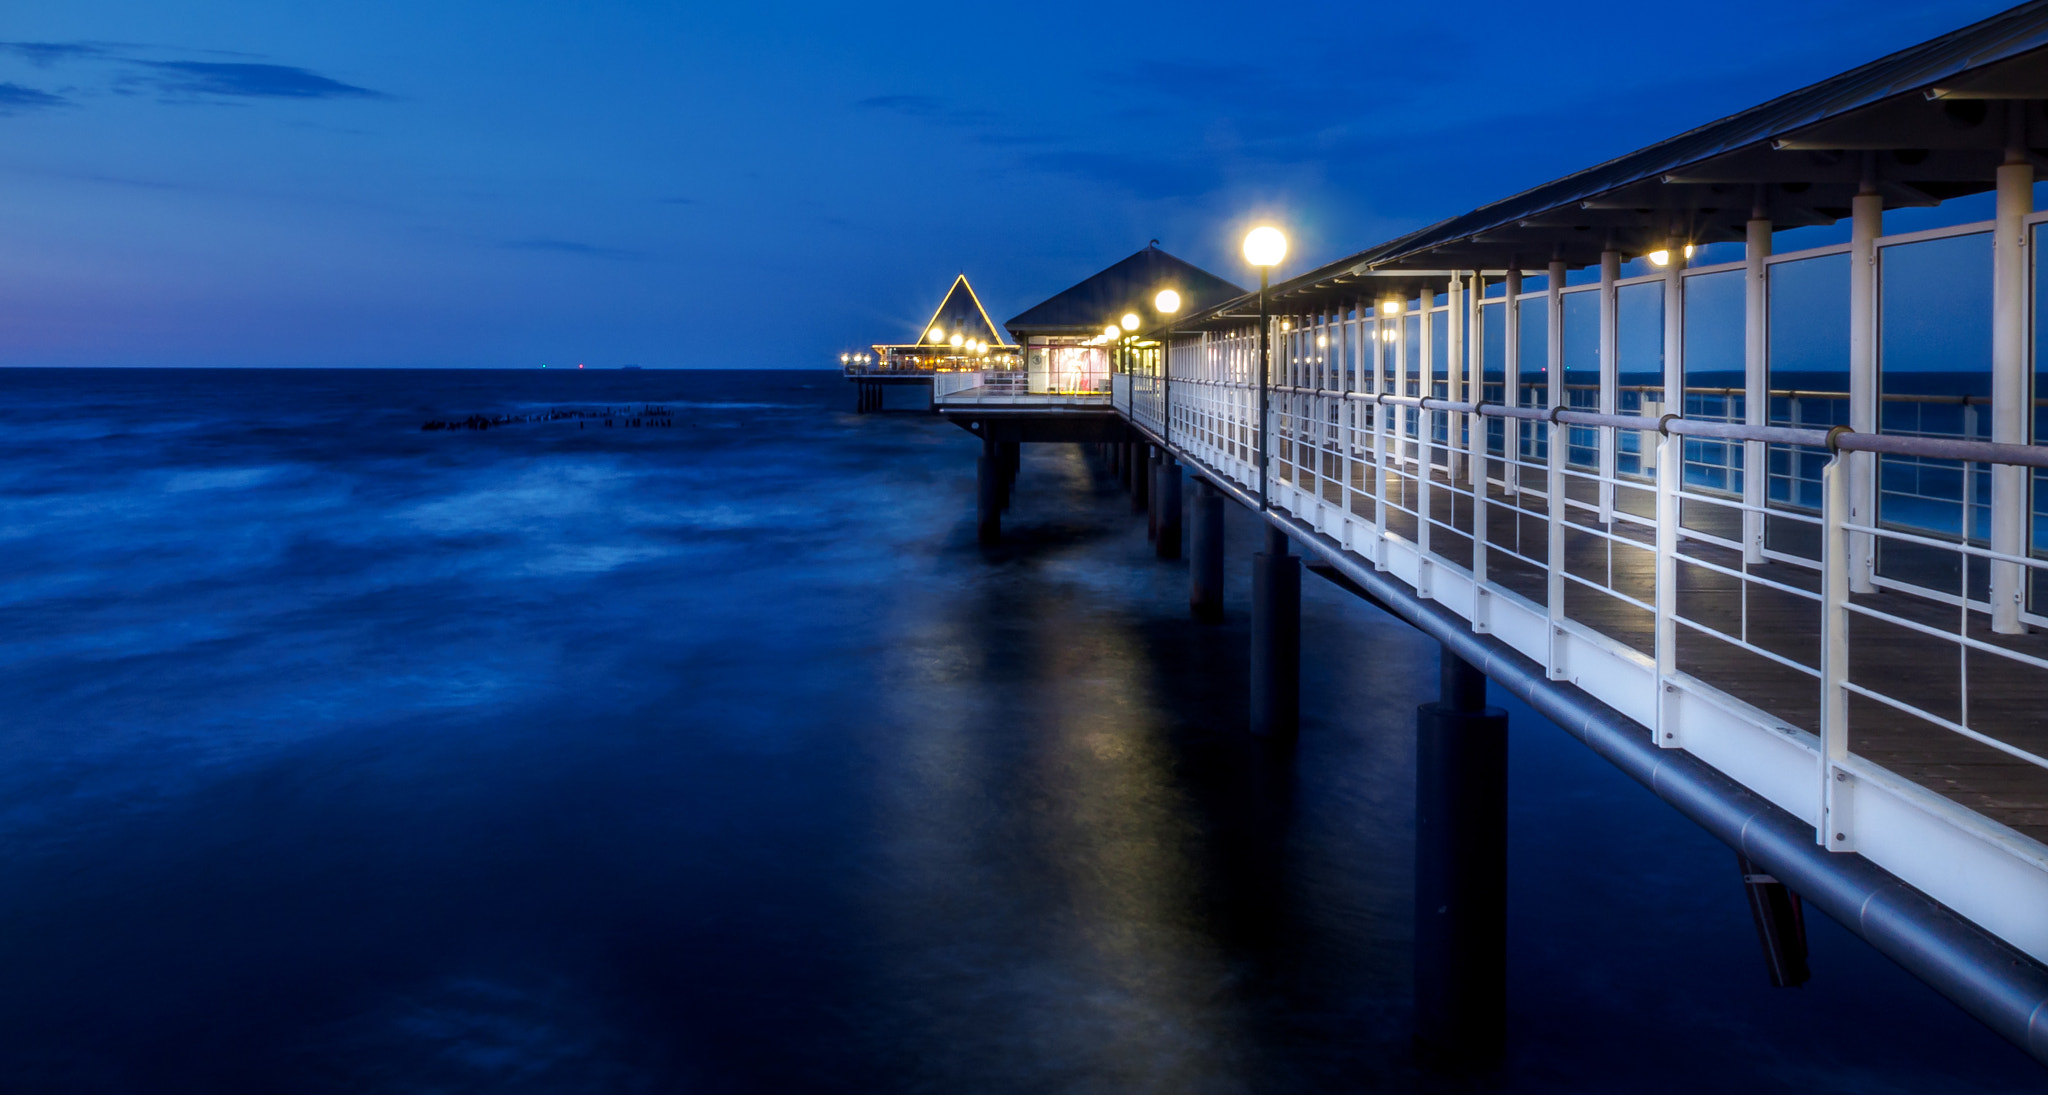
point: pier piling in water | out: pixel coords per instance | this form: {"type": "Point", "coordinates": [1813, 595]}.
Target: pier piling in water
{"type": "Point", "coordinates": [1166, 508]}
{"type": "Point", "coordinates": [988, 494]}
{"type": "Point", "coordinates": [1205, 568]}
{"type": "Point", "coordinates": [1276, 639]}
{"type": "Point", "coordinates": [1153, 459]}
{"type": "Point", "coordinates": [1461, 868]}
{"type": "Point", "coordinates": [1141, 476]}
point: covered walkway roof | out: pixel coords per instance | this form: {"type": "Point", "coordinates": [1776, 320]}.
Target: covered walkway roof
{"type": "Point", "coordinates": [1924, 125]}
{"type": "Point", "coordinates": [1127, 286]}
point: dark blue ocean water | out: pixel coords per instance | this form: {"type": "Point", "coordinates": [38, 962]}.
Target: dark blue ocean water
{"type": "Point", "coordinates": [347, 757]}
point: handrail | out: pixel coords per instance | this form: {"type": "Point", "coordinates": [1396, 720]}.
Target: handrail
{"type": "Point", "coordinates": [1838, 437]}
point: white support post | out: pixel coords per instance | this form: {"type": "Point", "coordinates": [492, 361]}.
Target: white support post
{"type": "Point", "coordinates": [1381, 346]}
{"type": "Point", "coordinates": [1836, 831]}
{"type": "Point", "coordinates": [1475, 382]}
{"type": "Point", "coordinates": [1394, 312]}
{"type": "Point", "coordinates": [2009, 398]}
{"type": "Point", "coordinates": [1670, 463]}
{"type": "Point", "coordinates": [1670, 480]}
{"type": "Point", "coordinates": [1554, 437]}
{"type": "Point", "coordinates": [1610, 376]}
{"type": "Point", "coordinates": [1674, 330]}
{"type": "Point", "coordinates": [1756, 377]}
{"type": "Point", "coordinates": [1511, 386]}
{"type": "Point", "coordinates": [1425, 439]}
{"type": "Point", "coordinates": [1867, 213]}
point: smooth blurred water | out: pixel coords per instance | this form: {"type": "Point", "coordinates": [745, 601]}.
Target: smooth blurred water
{"type": "Point", "coordinates": [346, 757]}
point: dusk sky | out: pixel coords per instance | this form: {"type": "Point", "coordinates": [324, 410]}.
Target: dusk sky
{"type": "Point", "coordinates": [511, 183]}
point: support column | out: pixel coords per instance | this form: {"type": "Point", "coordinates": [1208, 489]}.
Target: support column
{"type": "Point", "coordinates": [1205, 569]}
{"type": "Point", "coordinates": [1166, 506]}
{"type": "Point", "coordinates": [1155, 460]}
{"type": "Point", "coordinates": [1461, 868]}
{"type": "Point", "coordinates": [1867, 223]}
{"type": "Point", "coordinates": [1610, 375]}
{"type": "Point", "coordinates": [1556, 443]}
{"type": "Point", "coordinates": [1276, 639]}
{"type": "Point", "coordinates": [2010, 405]}
{"type": "Point", "coordinates": [1141, 476]}
{"type": "Point", "coordinates": [1013, 462]}
{"type": "Point", "coordinates": [1756, 376]}
{"type": "Point", "coordinates": [988, 493]}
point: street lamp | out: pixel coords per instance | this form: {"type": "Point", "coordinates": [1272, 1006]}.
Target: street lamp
{"type": "Point", "coordinates": [1166, 302]}
{"type": "Point", "coordinates": [1264, 247]}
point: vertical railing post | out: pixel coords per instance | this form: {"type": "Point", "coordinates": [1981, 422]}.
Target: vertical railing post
{"type": "Point", "coordinates": [1425, 441]}
{"type": "Point", "coordinates": [1380, 371]}
{"type": "Point", "coordinates": [1756, 376]}
{"type": "Point", "coordinates": [1669, 477]}
{"type": "Point", "coordinates": [1475, 445]}
{"type": "Point", "coordinates": [1475, 381]}
{"type": "Point", "coordinates": [1867, 222]}
{"type": "Point", "coordinates": [1835, 831]}
{"type": "Point", "coordinates": [1554, 555]}
{"type": "Point", "coordinates": [2009, 397]}
{"type": "Point", "coordinates": [1610, 375]}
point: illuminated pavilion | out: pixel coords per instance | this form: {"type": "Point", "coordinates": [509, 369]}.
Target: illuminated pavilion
{"type": "Point", "coordinates": [959, 337]}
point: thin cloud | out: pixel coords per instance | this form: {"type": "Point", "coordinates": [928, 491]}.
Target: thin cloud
{"type": "Point", "coordinates": [249, 81]}
{"type": "Point", "coordinates": [15, 98]}
{"type": "Point", "coordinates": [573, 247]}
{"type": "Point", "coordinates": [45, 54]}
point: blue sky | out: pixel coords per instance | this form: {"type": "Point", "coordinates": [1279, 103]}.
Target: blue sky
{"type": "Point", "coordinates": [510, 183]}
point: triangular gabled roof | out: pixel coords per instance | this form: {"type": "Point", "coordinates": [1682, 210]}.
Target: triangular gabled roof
{"type": "Point", "coordinates": [961, 312]}
{"type": "Point", "coordinates": [1128, 286]}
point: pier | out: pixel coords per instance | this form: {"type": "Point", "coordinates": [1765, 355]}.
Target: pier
{"type": "Point", "coordinates": [1693, 497]}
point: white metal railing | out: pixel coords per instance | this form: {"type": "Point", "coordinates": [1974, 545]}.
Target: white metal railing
{"type": "Point", "coordinates": [1839, 702]}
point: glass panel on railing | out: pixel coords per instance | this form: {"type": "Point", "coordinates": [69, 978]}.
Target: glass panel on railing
{"type": "Point", "coordinates": [1411, 350]}
{"type": "Point", "coordinates": [1582, 374]}
{"type": "Point", "coordinates": [1809, 386]}
{"type": "Point", "coordinates": [1639, 366]}
{"type": "Point", "coordinates": [1533, 384]}
{"type": "Point", "coordinates": [1934, 372]}
{"type": "Point", "coordinates": [1493, 365]}
{"type": "Point", "coordinates": [1713, 380]}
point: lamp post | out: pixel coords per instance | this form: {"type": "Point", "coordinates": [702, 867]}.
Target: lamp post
{"type": "Point", "coordinates": [1166, 303]}
{"type": "Point", "coordinates": [1264, 247]}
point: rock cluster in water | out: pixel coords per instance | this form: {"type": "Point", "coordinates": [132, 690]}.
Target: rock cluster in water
{"type": "Point", "coordinates": [647, 415]}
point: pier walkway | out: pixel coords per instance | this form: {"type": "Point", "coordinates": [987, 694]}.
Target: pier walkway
{"type": "Point", "coordinates": [1764, 522]}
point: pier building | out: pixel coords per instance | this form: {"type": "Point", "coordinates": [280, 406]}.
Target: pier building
{"type": "Point", "coordinates": [1726, 455]}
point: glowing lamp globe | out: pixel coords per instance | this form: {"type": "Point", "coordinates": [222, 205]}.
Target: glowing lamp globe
{"type": "Point", "coordinates": [1130, 321]}
{"type": "Point", "coordinates": [1167, 302]}
{"type": "Point", "coordinates": [957, 340]}
{"type": "Point", "coordinates": [1264, 246]}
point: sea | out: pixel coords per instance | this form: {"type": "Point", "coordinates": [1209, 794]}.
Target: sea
{"type": "Point", "coordinates": [712, 754]}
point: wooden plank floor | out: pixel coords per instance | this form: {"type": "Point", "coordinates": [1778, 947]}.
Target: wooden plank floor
{"type": "Point", "coordinates": [2006, 700]}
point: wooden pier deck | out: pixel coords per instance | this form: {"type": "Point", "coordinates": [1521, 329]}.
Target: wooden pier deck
{"type": "Point", "coordinates": [2005, 699]}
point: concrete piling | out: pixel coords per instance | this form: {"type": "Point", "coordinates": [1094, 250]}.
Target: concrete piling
{"type": "Point", "coordinates": [1276, 639]}
{"type": "Point", "coordinates": [1461, 867]}
{"type": "Point", "coordinates": [1166, 508]}
{"type": "Point", "coordinates": [1205, 568]}
{"type": "Point", "coordinates": [988, 494]}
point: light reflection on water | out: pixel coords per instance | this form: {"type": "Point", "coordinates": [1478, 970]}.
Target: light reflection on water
{"type": "Point", "coordinates": [345, 757]}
